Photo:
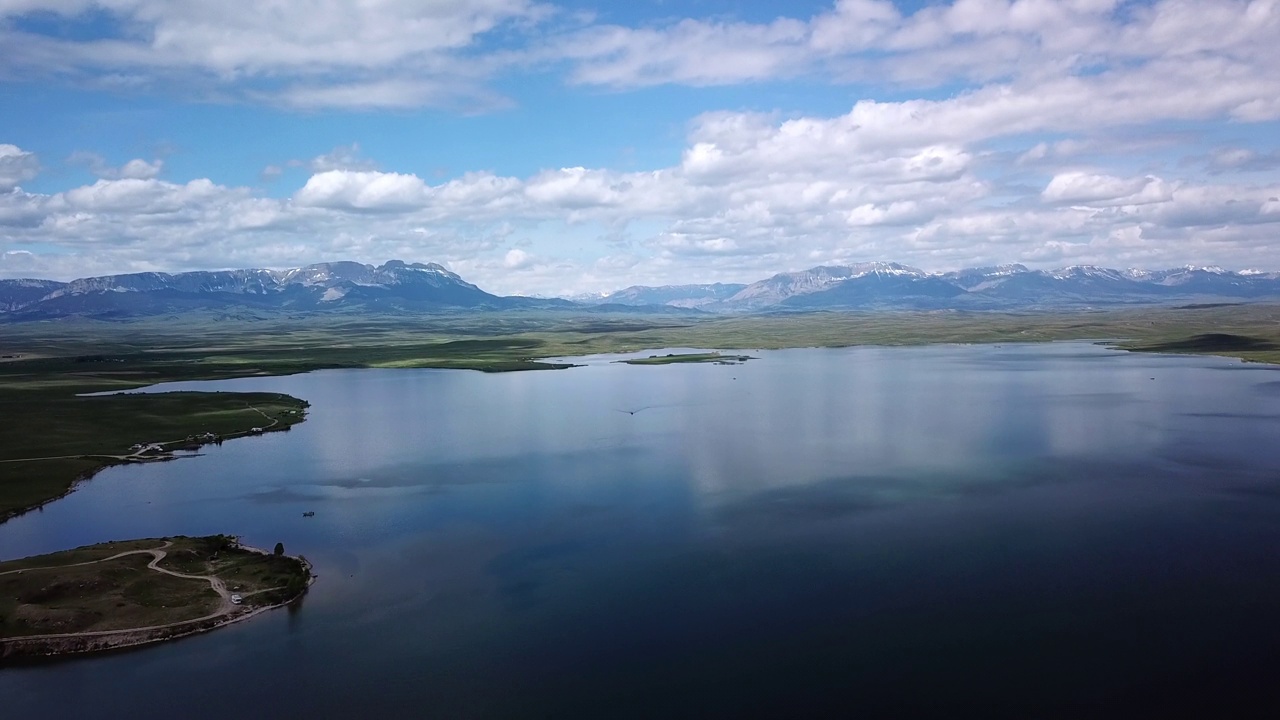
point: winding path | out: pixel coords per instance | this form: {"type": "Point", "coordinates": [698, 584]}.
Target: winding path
{"type": "Point", "coordinates": [215, 582]}
{"type": "Point", "coordinates": [92, 562]}
{"type": "Point", "coordinates": [225, 607]}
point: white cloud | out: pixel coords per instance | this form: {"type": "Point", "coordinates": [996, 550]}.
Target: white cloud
{"type": "Point", "coordinates": [1242, 159]}
{"type": "Point", "coordinates": [750, 196]}
{"type": "Point", "coordinates": [16, 166]}
{"type": "Point", "coordinates": [138, 197]}
{"type": "Point", "coordinates": [324, 53]}
{"type": "Point", "coordinates": [267, 37]}
{"type": "Point", "coordinates": [691, 245]}
{"type": "Point", "coordinates": [1105, 190]}
{"type": "Point", "coordinates": [689, 52]}
{"type": "Point", "coordinates": [403, 53]}
{"type": "Point", "coordinates": [1216, 206]}
{"type": "Point", "coordinates": [517, 259]}
{"type": "Point", "coordinates": [459, 90]}
{"type": "Point", "coordinates": [971, 40]}
{"type": "Point", "coordinates": [362, 190]}
{"type": "Point", "coordinates": [896, 213]}
{"type": "Point", "coordinates": [136, 169]}
{"type": "Point", "coordinates": [1043, 153]}
{"type": "Point", "coordinates": [20, 210]}
{"type": "Point", "coordinates": [343, 157]}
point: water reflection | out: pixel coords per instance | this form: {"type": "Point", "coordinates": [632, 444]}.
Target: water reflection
{"type": "Point", "coordinates": [815, 526]}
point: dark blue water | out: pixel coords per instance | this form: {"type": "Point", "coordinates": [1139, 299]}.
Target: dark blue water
{"type": "Point", "coordinates": [1020, 531]}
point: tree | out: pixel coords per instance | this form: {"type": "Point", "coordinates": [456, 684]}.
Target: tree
{"type": "Point", "coordinates": [279, 549]}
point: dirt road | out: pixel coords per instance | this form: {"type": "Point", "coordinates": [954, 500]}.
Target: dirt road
{"type": "Point", "coordinates": [225, 607]}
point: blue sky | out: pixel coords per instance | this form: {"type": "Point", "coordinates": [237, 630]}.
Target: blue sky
{"type": "Point", "coordinates": [578, 146]}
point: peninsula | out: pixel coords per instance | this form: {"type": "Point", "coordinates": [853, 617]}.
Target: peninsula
{"type": "Point", "coordinates": [121, 594]}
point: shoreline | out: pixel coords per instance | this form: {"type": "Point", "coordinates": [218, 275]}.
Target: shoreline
{"type": "Point", "coordinates": [191, 448]}
{"type": "Point", "coordinates": [88, 475]}
{"type": "Point", "coordinates": [75, 484]}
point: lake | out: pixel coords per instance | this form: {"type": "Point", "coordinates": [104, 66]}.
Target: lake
{"type": "Point", "coordinates": [1054, 530]}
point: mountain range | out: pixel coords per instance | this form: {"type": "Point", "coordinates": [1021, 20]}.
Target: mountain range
{"type": "Point", "coordinates": [880, 285]}
{"type": "Point", "coordinates": [392, 287]}
{"type": "Point", "coordinates": [399, 287]}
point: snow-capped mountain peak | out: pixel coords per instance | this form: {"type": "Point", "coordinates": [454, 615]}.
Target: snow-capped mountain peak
{"type": "Point", "coordinates": [884, 268]}
{"type": "Point", "coordinates": [1086, 271]}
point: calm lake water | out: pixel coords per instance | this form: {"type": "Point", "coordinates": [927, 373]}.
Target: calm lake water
{"type": "Point", "coordinates": [1020, 531]}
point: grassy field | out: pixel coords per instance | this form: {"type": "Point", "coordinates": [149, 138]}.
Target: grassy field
{"type": "Point", "coordinates": [133, 354]}
{"type": "Point", "coordinates": [53, 438]}
{"type": "Point", "coordinates": [1258, 349]}
{"type": "Point", "coordinates": [49, 364]}
{"type": "Point", "coordinates": [53, 595]}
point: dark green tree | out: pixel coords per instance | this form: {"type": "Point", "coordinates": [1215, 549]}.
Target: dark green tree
{"type": "Point", "coordinates": [279, 549]}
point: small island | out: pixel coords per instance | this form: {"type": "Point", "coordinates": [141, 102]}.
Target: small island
{"type": "Point", "coordinates": [121, 594]}
{"type": "Point", "coordinates": [672, 358]}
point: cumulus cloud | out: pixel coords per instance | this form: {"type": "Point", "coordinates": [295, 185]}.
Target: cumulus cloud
{"type": "Point", "coordinates": [1105, 190]}
{"type": "Point", "coordinates": [1036, 154]}
{"type": "Point", "coordinates": [517, 259]}
{"type": "Point", "coordinates": [139, 169]}
{"type": "Point", "coordinates": [16, 166]}
{"type": "Point", "coordinates": [750, 195]}
{"type": "Point", "coordinates": [362, 190]}
{"type": "Point", "coordinates": [138, 197]}
{"type": "Point", "coordinates": [136, 169]}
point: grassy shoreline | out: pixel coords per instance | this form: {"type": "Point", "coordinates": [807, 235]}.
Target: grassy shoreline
{"type": "Point", "coordinates": [60, 442]}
